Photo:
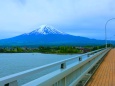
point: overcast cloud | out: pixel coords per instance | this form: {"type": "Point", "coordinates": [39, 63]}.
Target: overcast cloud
{"type": "Point", "coordinates": [78, 17]}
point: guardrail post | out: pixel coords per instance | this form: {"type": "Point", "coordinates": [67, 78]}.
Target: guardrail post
{"type": "Point", "coordinates": [80, 58]}
{"type": "Point", "coordinates": [88, 55]}
{"type": "Point", "coordinates": [14, 83]}
{"type": "Point", "coordinates": [63, 65]}
{"type": "Point", "coordinates": [93, 53]}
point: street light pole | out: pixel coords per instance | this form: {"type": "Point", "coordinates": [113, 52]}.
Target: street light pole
{"type": "Point", "coordinates": [106, 31]}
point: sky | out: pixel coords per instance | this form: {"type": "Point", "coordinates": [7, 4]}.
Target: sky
{"type": "Point", "coordinates": [85, 18]}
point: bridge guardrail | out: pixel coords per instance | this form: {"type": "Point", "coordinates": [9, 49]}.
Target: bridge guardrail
{"type": "Point", "coordinates": [11, 80]}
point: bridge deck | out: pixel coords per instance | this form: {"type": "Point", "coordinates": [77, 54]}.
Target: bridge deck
{"type": "Point", "coordinates": [105, 74]}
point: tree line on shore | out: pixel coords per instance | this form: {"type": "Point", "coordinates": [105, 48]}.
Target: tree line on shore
{"type": "Point", "coordinates": [50, 49]}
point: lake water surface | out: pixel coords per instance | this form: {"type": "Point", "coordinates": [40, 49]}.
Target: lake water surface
{"type": "Point", "coordinates": [16, 62]}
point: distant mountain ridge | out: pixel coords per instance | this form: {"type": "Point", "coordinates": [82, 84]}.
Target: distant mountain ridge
{"type": "Point", "coordinates": [47, 35]}
{"type": "Point", "coordinates": [45, 29]}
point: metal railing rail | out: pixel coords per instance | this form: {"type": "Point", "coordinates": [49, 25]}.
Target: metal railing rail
{"type": "Point", "coordinates": [11, 80]}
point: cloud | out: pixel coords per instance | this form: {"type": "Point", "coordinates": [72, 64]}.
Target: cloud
{"type": "Point", "coordinates": [82, 16]}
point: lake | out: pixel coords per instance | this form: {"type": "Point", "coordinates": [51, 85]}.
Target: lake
{"type": "Point", "coordinates": [11, 63]}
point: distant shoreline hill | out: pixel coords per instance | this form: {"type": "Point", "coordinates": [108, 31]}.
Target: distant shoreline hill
{"type": "Point", "coordinates": [48, 36]}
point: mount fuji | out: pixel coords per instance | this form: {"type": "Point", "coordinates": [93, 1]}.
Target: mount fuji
{"type": "Point", "coordinates": [47, 35]}
{"type": "Point", "coordinates": [45, 30]}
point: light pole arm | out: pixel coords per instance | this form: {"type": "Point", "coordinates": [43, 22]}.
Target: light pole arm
{"type": "Point", "coordinates": [106, 31]}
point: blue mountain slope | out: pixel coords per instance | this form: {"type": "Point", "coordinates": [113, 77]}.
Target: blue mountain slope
{"type": "Point", "coordinates": [47, 35]}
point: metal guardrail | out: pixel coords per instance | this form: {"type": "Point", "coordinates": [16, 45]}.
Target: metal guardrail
{"type": "Point", "coordinates": [61, 76]}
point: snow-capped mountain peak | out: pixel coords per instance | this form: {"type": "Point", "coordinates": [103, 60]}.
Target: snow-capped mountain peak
{"type": "Point", "coordinates": [45, 29]}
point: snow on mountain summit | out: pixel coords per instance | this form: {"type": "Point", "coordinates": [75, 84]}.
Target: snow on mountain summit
{"type": "Point", "coordinates": [45, 29]}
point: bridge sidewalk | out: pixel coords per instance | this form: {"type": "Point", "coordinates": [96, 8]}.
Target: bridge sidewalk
{"type": "Point", "coordinates": [105, 74]}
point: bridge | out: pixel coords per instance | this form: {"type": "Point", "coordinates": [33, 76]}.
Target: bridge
{"type": "Point", "coordinates": [105, 75]}
{"type": "Point", "coordinates": [89, 69]}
